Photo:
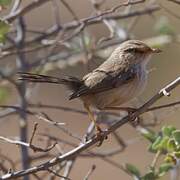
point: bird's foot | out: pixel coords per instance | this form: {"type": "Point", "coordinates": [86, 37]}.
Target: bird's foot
{"type": "Point", "coordinates": [101, 136]}
{"type": "Point", "coordinates": [134, 120]}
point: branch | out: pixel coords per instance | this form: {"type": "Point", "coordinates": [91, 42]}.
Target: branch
{"type": "Point", "coordinates": [88, 21]}
{"type": "Point", "coordinates": [82, 147]}
{"type": "Point", "coordinates": [21, 12]}
{"type": "Point", "coordinates": [58, 175]}
{"type": "Point", "coordinates": [90, 172]}
{"type": "Point", "coordinates": [29, 145]}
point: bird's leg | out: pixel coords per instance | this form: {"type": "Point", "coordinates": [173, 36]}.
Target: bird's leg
{"type": "Point", "coordinates": [135, 121]}
{"type": "Point", "coordinates": [99, 133]}
{"type": "Point", "coordinates": [91, 117]}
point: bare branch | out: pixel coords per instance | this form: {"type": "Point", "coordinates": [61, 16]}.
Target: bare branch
{"type": "Point", "coordinates": [88, 21]}
{"type": "Point", "coordinates": [90, 172]}
{"type": "Point", "coordinates": [21, 12]}
{"type": "Point", "coordinates": [29, 145]}
{"type": "Point", "coordinates": [81, 148]}
{"type": "Point", "coordinates": [58, 175]}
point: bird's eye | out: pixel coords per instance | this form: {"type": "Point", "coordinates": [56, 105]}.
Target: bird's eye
{"type": "Point", "coordinates": [131, 50]}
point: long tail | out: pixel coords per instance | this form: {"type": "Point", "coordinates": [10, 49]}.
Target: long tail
{"type": "Point", "coordinates": [71, 82]}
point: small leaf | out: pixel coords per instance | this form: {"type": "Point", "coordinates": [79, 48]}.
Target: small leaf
{"type": "Point", "coordinates": [164, 168]}
{"type": "Point", "coordinates": [149, 176]}
{"type": "Point", "coordinates": [150, 149]}
{"type": "Point", "coordinates": [4, 93]}
{"type": "Point", "coordinates": [4, 28]}
{"type": "Point", "coordinates": [133, 170]}
{"type": "Point", "coordinates": [148, 134]}
{"type": "Point", "coordinates": [176, 135]}
{"type": "Point", "coordinates": [170, 159]}
{"type": "Point", "coordinates": [155, 145]}
{"type": "Point", "coordinates": [168, 130]}
{"type": "Point", "coordinates": [5, 2]}
{"type": "Point", "coordinates": [177, 154]}
{"type": "Point", "coordinates": [163, 143]}
{"type": "Point", "coordinates": [171, 145]}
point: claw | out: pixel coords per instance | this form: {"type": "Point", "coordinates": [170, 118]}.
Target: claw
{"type": "Point", "coordinates": [134, 121]}
{"type": "Point", "coordinates": [100, 135]}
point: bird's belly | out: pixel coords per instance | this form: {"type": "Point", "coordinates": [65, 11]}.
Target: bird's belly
{"type": "Point", "coordinates": [118, 96]}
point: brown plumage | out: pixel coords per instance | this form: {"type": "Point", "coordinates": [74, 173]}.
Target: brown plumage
{"type": "Point", "coordinates": [116, 81]}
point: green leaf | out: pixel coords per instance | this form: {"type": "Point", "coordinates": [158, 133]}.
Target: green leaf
{"type": "Point", "coordinates": [4, 93]}
{"type": "Point", "coordinates": [170, 159]}
{"type": "Point", "coordinates": [163, 144]}
{"type": "Point", "coordinates": [4, 29]}
{"type": "Point", "coordinates": [5, 2]}
{"type": "Point", "coordinates": [155, 145]}
{"type": "Point", "coordinates": [171, 145]}
{"type": "Point", "coordinates": [150, 149]}
{"type": "Point", "coordinates": [176, 135]}
{"type": "Point", "coordinates": [177, 154]}
{"type": "Point", "coordinates": [164, 168]}
{"type": "Point", "coordinates": [148, 134]}
{"type": "Point", "coordinates": [159, 144]}
{"type": "Point", "coordinates": [168, 130]}
{"type": "Point", "coordinates": [149, 176]}
{"type": "Point", "coordinates": [133, 170]}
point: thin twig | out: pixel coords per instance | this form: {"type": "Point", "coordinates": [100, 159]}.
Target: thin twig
{"type": "Point", "coordinates": [58, 175]}
{"type": "Point", "coordinates": [28, 145]}
{"type": "Point", "coordinates": [21, 12]}
{"type": "Point", "coordinates": [92, 169]}
{"type": "Point", "coordinates": [87, 21]}
{"type": "Point", "coordinates": [156, 157]}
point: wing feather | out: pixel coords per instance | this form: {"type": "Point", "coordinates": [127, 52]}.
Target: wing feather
{"type": "Point", "coordinates": [103, 81]}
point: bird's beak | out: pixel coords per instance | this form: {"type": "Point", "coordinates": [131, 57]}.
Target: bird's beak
{"type": "Point", "coordinates": [156, 50]}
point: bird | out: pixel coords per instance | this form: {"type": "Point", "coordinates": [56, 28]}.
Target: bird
{"type": "Point", "coordinates": [119, 79]}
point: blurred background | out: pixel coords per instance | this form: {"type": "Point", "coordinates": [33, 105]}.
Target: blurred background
{"type": "Point", "coordinates": [54, 44]}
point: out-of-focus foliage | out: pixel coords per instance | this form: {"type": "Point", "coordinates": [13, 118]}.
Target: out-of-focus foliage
{"type": "Point", "coordinates": [4, 94]}
{"type": "Point", "coordinates": [5, 3]}
{"type": "Point", "coordinates": [163, 26]}
{"type": "Point", "coordinates": [166, 143]}
{"type": "Point", "coordinates": [4, 28]}
{"type": "Point", "coordinates": [133, 170]}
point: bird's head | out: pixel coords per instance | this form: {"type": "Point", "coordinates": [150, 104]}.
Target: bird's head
{"type": "Point", "coordinates": [136, 51]}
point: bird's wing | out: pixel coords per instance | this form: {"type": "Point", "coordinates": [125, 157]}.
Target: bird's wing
{"type": "Point", "coordinates": [100, 81]}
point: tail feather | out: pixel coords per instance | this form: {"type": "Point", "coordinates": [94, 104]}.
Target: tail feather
{"type": "Point", "coordinates": [72, 83]}
{"type": "Point", "coordinates": [38, 78]}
